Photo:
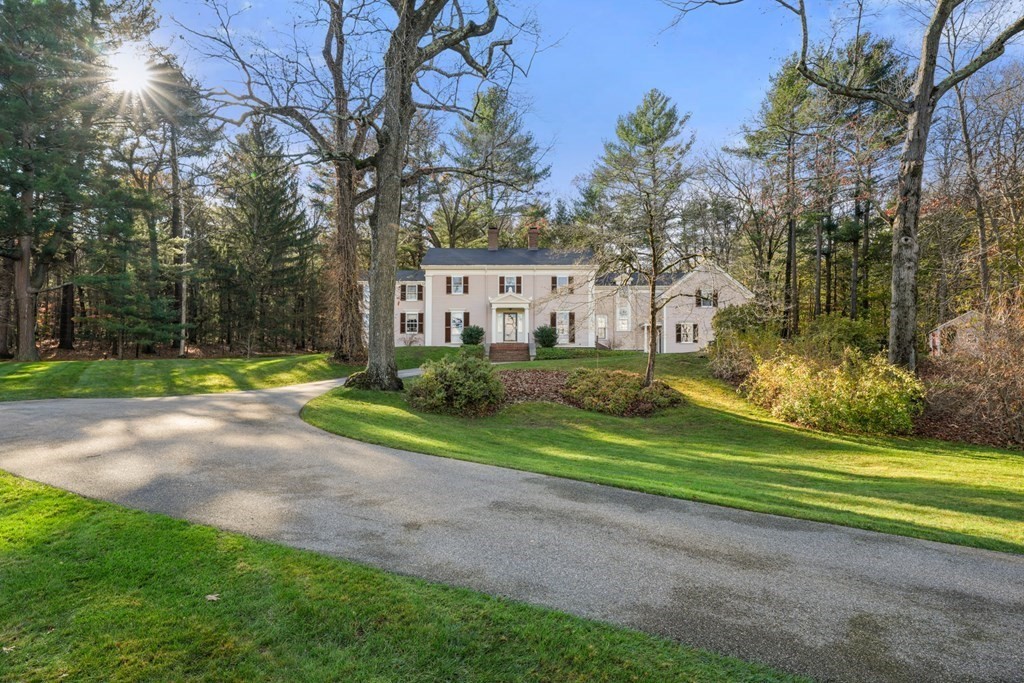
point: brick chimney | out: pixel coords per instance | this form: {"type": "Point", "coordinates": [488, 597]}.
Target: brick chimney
{"type": "Point", "coordinates": [492, 238]}
{"type": "Point", "coordinates": [531, 237]}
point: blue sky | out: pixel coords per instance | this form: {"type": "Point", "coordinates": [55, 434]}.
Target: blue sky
{"type": "Point", "coordinates": [602, 56]}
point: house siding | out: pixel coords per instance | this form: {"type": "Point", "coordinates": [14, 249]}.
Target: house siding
{"type": "Point", "coordinates": [586, 300]}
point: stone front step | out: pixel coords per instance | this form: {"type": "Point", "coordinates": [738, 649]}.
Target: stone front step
{"type": "Point", "coordinates": [505, 353]}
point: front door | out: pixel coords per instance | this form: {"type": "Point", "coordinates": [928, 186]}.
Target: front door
{"type": "Point", "coordinates": [511, 327]}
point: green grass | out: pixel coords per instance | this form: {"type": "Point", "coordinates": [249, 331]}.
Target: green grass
{"type": "Point", "coordinates": [127, 378]}
{"type": "Point", "coordinates": [92, 592]}
{"type": "Point", "coordinates": [717, 448]}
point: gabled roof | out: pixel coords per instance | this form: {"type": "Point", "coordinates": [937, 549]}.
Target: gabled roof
{"type": "Point", "coordinates": [612, 279]}
{"type": "Point", "coordinates": [706, 265]}
{"type": "Point", "coordinates": [400, 276]}
{"type": "Point", "coordinates": [503, 257]}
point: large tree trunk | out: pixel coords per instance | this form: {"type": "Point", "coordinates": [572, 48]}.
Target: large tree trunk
{"type": "Point", "coordinates": [178, 233]}
{"type": "Point", "coordinates": [381, 371]}
{"type": "Point", "coordinates": [25, 298]}
{"type": "Point", "coordinates": [854, 271]}
{"type": "Point", "coordinates": [6, 298]}
{"type": "Point", "coordinates": [350, 347]}
{"type": "Point", "coordinates": [905, 248]}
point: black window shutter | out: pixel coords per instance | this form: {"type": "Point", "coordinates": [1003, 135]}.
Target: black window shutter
{"type": "Point", "coordinates": [501, 284]}
{"type": "Point", "coordinates": [465, 284]}
{"type": "Point", "coordinates": [448, 327]}
{"type": "Point", "coordinates": [465, 320]}
{"type": "Point", "coordinates": [695, 328]}
{"type": "Point", "coordinates": [714, 299]}
{"type": "Point", "coordinates": [697, 298]}
{"type": "Point", "coordinates": [554, 320]}
{"type": "Point", "coordinates": [571, 290]}
{"type": "Point", "coordinates": [554, 283]}
{"type": "Point", "coordinates": [401, 322]}
{"type": "Point", "coordinates": [448, 284]}
{"type": "Point", "coordinates": [420, 315]}
{"type": "Point", "coordinates": [401, 294]}
{"type": "Point", "coordinates": [519, 284]}
{"type": "Point", "coordinates": [572, 327]}
{"type": "Point", "coordinates": [679, 333]}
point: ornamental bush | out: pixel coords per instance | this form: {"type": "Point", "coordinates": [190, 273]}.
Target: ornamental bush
{"type": "Point", "coordinates": [460, 384]}
{"type": "Point", "coordinates": [617, 392]}
{"type": "Point", "coordinates": [472, 335]}
{"type": "Point", "coordinates": [545, 336]}
{"type": "Point", "coordinates": [828, 336]}
{"type": "Point", "coordinates": [861, 394]}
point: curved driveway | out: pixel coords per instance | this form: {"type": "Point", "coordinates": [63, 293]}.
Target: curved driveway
{"type": "Point", "coordinates": [831, 602]}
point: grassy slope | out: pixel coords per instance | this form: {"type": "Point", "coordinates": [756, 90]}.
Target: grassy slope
{"type": "Point", "coordinates": [91, 591]}
{"type": "Point", "coordinates": [719, 449]}
{"type": "Point", "coordinates": [114, 379]}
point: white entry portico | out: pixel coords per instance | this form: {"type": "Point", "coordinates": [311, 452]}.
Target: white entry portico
{"type": "Point", "coordinates": [510, 318]}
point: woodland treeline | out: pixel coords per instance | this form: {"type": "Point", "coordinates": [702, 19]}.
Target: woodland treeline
{"type": "Point", "coordinates": [170, 215]}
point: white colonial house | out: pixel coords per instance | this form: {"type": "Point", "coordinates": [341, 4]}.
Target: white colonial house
{"type": "Point", "coordinates": [511, 292]}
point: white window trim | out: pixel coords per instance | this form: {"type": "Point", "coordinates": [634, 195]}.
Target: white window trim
{"type": "Point", "coordinates": [461, 317]}
{"type": "Point", "coordinates": [562, 323]}
{"type": "Point", "coordinates": [602, 329]}
{"type": "Point", "coordinates": [460, 280]}
{"type": "Point", "coordinates": [505, 281]}
{"type": "Point", "coordinates": [409, 292]}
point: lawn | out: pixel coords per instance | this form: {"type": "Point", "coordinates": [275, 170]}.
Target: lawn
{"type": "Point", "coordinates": [126, 378]}
{"type": "Point", "coordinates": [719, 449]}
{"type": "Point", "coordinates": [92, 591]}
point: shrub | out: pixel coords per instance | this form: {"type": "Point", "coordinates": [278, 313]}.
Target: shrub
{"type": "Point", "coordinates": [457, 385]}
{"type": "Point", "coordinates": [977, 392]}
{"type": "Point", "coordinates": [474, 350]}
{"type": "Point", "coordinates": [617, 392]}
{"type": "Point", "coordinates": [472, 335]}
{"type": "Point", "coordinates": [569, 352]}
{"type": "Point", "coordinates": [545, 336]}
{"type": "Point", "coordinates": [859, 394]}
{"type": "Point", "coordinates": [828, 336]}
{"type": "Point", "coordinates": [734, 354]}
{"type": "Point", "coordinates": [751, 317]}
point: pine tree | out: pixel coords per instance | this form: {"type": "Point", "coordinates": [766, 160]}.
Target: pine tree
{"type": "Point", "coordinates": [265, 238]}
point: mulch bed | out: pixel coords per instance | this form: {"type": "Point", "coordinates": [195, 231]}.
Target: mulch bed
{"type": "Point", "coordinates": [522, 386]}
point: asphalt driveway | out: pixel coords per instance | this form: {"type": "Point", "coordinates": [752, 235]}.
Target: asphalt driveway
{"type": "Point", "coordinates": [831, 602]}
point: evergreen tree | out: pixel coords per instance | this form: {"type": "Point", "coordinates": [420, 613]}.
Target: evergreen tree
{"type": "Point", "coordinates": [264, 238]}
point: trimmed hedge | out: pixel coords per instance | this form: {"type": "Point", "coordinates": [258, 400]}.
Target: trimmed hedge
{"type": "Point", "coordinates": [457, 385]}
{"type": "Point", "coordinates": [617, 392]}
{"type": "Point", "coordinates": [569, 352]}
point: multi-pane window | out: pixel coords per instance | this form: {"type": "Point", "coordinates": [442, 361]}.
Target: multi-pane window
{"type": "Point", "coordinates": [706, 298]}
{"type": "Point", "coordinates": [457, 284]}
{"type": "Point", "coordinates": [602, 327]}
{"type": "Point", "coordinates": [508, 284]}
{"type": "Point", "coordinates": [411, 323]}
{"type": "Point", "coordinates": [458, 321]}
{"type": "Point", "coordinates": [561, 283]}
{"type": "Point", "coordinates": [622, 318]}
{"type": "Point", "coordinates": [412, 292]}
{"type": "Point", "coordinates": [686, 333]}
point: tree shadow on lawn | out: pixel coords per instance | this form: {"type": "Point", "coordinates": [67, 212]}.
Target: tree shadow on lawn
{"type": "Point", "coordinates": [704, 453]}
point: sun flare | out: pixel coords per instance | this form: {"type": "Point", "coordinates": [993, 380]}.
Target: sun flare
{"type": "Point", "coordinates": [129, 71]}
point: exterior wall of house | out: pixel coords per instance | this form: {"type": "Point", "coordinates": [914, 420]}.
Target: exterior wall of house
{"type": "Point", "coordinates": [683, 309]}
{"type": "Point", "coordinates": [534, 300]}
{"type": "Point", "coordinates": [411, 308]}
{"type": "Point", "coordinates": [595, 309]}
